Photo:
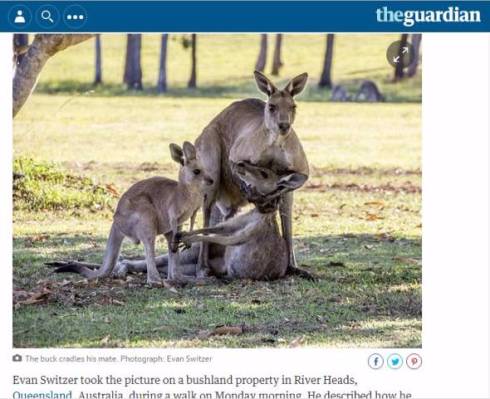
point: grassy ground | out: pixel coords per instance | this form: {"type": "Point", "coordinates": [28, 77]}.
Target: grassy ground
{"type": "Point", "coordinates": [357, 221]}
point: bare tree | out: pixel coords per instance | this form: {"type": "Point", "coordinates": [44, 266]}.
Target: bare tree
{"type": "Point", "coordinates": [162, 70]}
{"type": "Point", "coordinates": [399, 69]}
{"type": "Point", "coordinates": [43, 47]}
{"type": "Point", "coordinates": [262, 58]}
{"type": "Point", "coordinates": [326, 77]}
{"type": "Point", "coordinates": [132, 70]}
{"type": "Point", "coordinates": [21, 44]}
{"type": "Point", "coordinates": [192, 84]}
{"type": "Point", "coordinates": [416, 41]}
{"type": "Point", "coordinates": [98, 61]}
{"type": "Point", "coordinates": [277, 60]}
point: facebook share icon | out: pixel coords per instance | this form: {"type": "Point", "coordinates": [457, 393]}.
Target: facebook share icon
{"type": "Point", "coordinates": [376, 361]}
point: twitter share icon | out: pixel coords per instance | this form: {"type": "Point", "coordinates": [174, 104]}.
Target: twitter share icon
{"type": "Point", "coordinates": [395, 361]}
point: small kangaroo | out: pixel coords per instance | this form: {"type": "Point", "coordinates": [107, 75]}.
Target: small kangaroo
{"type": "Point", "coordinates": [369, 92]}
{"type": "Point", "coordinates": [340, 93]}
{"type": "Point", "coordinates": [255, 248]}
{"type": "Point", "coordinates": [151, 207]}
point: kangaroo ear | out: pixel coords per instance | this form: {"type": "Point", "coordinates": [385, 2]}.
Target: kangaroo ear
{"type": "Point", "coordinates": [264, 84]}
{"type": "Point", "coordinates": [177, 153]}
{"type": "Point", "coordinates": [297, 84]}
{"type": "Point", "coordinates": [292, 181]}
{"type": "Point", "coordinates": [189, 151]}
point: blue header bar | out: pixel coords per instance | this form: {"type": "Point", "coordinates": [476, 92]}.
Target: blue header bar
{"type": "Point", "coordinates": [244, 16]}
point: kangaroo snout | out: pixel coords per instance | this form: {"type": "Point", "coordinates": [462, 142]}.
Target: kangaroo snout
{"type": "Point", "coordinates": [284, 127]}
{"type": "Point", "coordinates": [208, 180]}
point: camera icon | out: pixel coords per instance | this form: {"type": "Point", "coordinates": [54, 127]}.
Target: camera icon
{"type": "Point", "coordinates": [17, 358]}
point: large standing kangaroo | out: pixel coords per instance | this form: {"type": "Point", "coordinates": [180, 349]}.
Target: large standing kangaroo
{"type": "Point", "coordinates": [259, 133]}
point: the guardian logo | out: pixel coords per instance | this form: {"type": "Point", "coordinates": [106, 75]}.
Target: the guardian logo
{"type": "Point", "coordinates": [410, 17]}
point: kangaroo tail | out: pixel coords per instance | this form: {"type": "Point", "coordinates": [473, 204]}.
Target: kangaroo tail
{"type": "Point", "coordinates": [85, 269]}
{"type": "Point", "coordinates": [92, 271]}
{"type": "Point", "coordinates": [58, 264]}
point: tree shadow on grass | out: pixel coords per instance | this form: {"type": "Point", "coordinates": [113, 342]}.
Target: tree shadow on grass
{"type": "Point", "coordinates": [368, 294]}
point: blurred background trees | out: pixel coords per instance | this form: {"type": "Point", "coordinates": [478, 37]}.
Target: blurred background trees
{"type": "Point", "coordinates": [98, 61]}
{"type": "Point", "coordinates": [332, 64]}
{"type": "Point", "coordinates": [162, 68]}
{"type": "Point", "coordinates": [193, 79]}
{"type": "Point", "coordinates": [132, 68]}
{"type": "Point", "coordinates": [416, 42]}
{"type": "Point", "coordinates": [326, 77]}
{"type": "Point", "coordinates": [408, 71]}
{"type": "Point", "coordinates": [262, 57]}
{"type": "Point", "coordinates": [277, 57]}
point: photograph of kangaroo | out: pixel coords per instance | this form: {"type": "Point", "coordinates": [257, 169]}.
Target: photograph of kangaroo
{"type": "Point", "coordinates": [196, 190]}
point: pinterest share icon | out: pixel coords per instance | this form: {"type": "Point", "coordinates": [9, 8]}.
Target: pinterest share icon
{"type": "Point", "coordinates": [414, 361]}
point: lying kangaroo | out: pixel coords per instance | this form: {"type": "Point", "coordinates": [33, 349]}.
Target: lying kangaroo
{"type": "Point", "coordinates": [259, 133]}
{"type": "Point", "coordinates": [151, 207]}
{"type": "Point", "coordinates": [254, 246]}
{"type": "Point", "coordinates": [246, 246]}
{"type": "Point", "coordinates": [369, 92]}
{"type": "Point", "coordinates": [340, 93]}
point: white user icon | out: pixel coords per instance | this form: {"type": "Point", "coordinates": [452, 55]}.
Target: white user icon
{"type": "Point", "coordinates": [46, 15]}
{"type": "Point", "coordinates": [20, 19]}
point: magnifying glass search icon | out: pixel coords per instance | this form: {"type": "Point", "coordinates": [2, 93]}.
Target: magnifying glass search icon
{"type": "Point", "coordinates": [46, 15]}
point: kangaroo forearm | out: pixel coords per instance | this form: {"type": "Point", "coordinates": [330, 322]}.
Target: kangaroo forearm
{"type": "Point", "coordinates": [285, 211]}
{"type": "Point", "coordinates": [193, 221]}
{"type": "Point", "coordinates": [223, 239]}
{"type": "Point", "coordinates": [209, 230]}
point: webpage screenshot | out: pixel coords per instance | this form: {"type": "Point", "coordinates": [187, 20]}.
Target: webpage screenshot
{"type": "Point", "coordinates": [244, 199]}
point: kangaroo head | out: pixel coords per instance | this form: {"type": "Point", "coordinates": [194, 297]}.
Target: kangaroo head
{"type": "Point", "coordinates": [191, 170]}
{"type": "Point", "coordinates": [263, 186]}
{"type": "Point", "coordinates": [257, 181]}
{"type": "Point", "coordinates": [280, 108]}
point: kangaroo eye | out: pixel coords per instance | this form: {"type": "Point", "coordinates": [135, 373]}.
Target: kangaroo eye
{"type": "Point", "coordinates": [196, 171]}
{"type": "Point", "coordinates": [272, 107]}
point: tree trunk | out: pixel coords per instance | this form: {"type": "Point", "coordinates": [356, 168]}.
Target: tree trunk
{"type": "Point", "coordinates": [276, 60]}
{"type": "Point", "coordinates": [399, 69]}
{"type": "Point", "coordinates": [162, 70]}
{"type": "Point", "coordinates": [193, 79]}
{"type": "Point", "coordinates": [98, 61]}
{"type": "Point", "coordinates": [42, 48]}
{"type": "Point", "coordinates": [262, 58]}
{"type": "Point", "coordinates": [132, 69]}
{"type": "Point", "coordinates": [326, 77]}
{"type": "Point", "coordinates": [21, 44]}
{"type": "Point", "coordinates": [412, 68]}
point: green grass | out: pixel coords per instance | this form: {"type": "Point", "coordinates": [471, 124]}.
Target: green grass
{"type": "Point", "coordinates": [41, 186]}
{"type": "Point", "coordinates": [357, 220]}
